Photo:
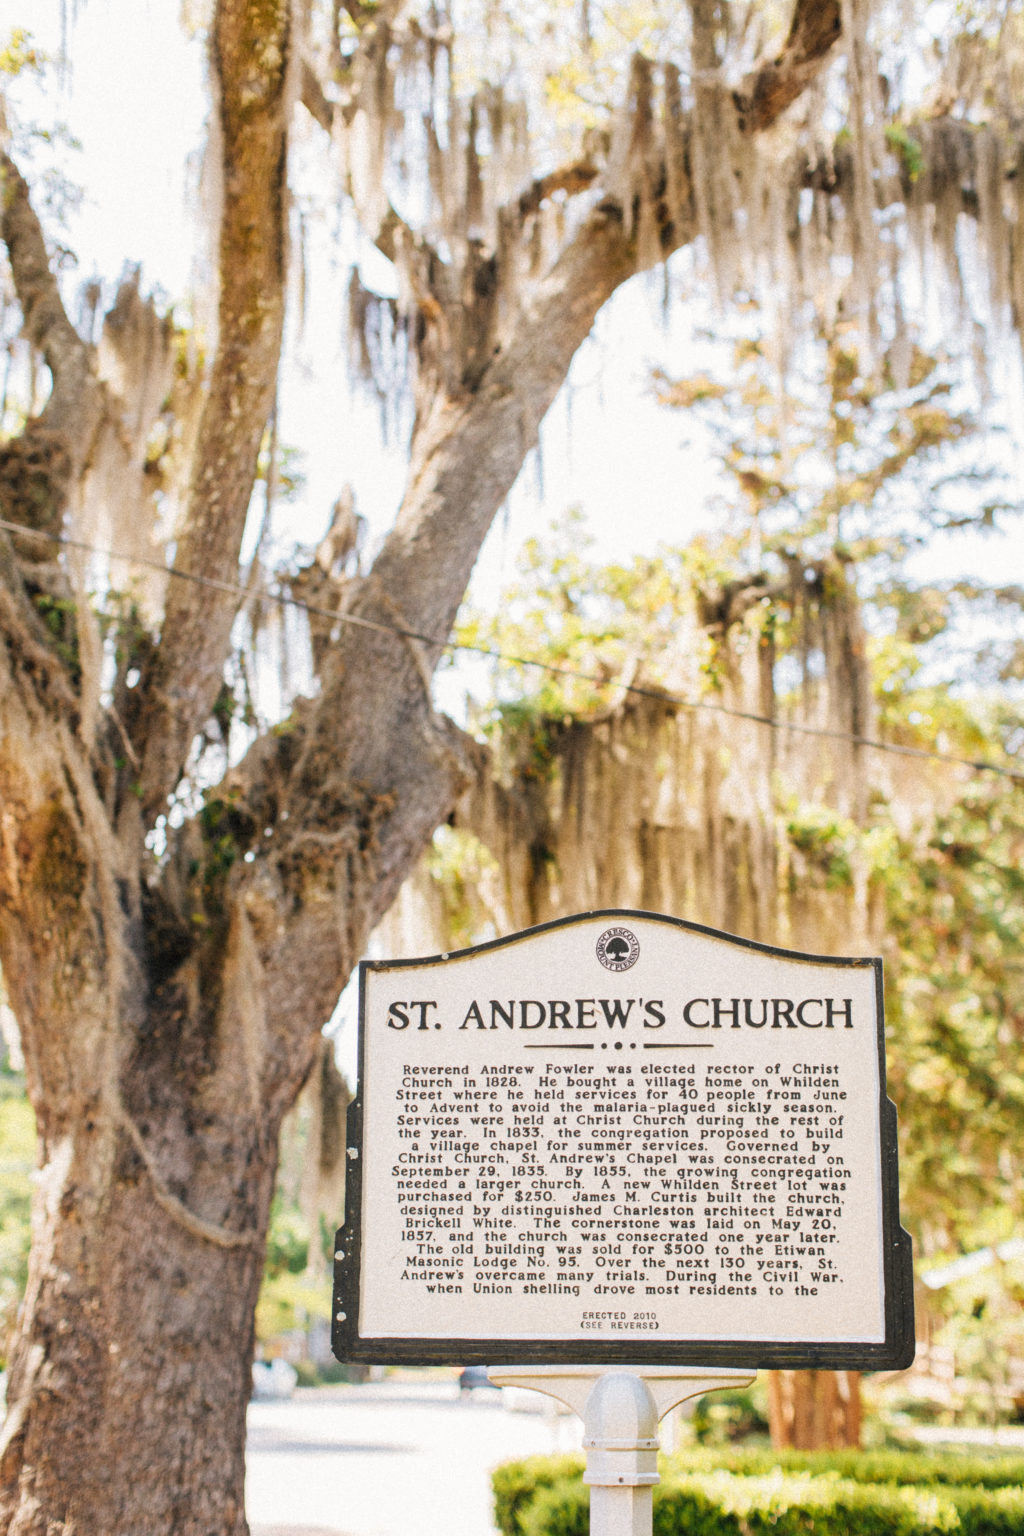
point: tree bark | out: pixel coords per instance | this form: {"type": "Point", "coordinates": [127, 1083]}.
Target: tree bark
{"type": "Point", "coordinates": [251, 47]}
{"type": "Point", "coordinates": [814, 1410]}
{"type": "Point", "coordinates": [132, 1370]}
{"type": "Point", "coordinates": [157, 1083]}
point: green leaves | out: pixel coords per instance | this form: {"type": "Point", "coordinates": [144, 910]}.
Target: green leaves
{"type": "Point", "coordinates": [953, 899]}
{"type": "Point", "coordinates": [590, 627]}
{"type": "Point", "coordinates": [19, 54]}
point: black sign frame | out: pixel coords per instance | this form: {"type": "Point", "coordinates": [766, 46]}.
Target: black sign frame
{"type": "Point", "coordinates": [894, 1352]}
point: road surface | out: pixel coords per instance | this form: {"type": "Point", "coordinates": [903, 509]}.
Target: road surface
{"type": "Point", "coordinates": [387, 1458]}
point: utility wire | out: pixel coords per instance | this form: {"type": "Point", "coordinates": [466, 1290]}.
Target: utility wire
{"type": "Point", "coordinates": [707, 706]}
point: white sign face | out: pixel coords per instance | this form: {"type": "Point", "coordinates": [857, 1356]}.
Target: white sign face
{"type": "Point", "coordinates": [621, 1132]}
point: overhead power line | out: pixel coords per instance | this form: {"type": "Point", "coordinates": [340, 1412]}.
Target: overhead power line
{"type": "Point", "coordinates": [578, 674]}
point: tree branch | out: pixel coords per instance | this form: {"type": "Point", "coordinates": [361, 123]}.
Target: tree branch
{"type": "Point", "coordinates": [773, 86]}
{"type": "Point", "coordinates": [314, 98]}
{"type": "Point", "coordinates": [251, 45]}
{"type": "Point", "coordinates": [570, 179]}
{"type": "Point", "coordinates": [73, 405]}
{"type": "Point", "coordinates": [467, 453]}
{"type": "Point", "coordinates": [39, 467]}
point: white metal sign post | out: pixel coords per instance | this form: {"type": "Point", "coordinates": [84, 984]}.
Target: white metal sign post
{"type": "Point", "coordinates": [658, 1152]}
{"type": "Point", "coordinates": [621, 1410]}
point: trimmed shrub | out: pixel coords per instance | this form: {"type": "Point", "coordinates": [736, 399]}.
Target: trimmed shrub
{"type": "Point", "coordinates": [517, 1483]}
{"type": "Point", "coordinates": [901, 1468]}
{"type": "Point", "coordinates": [560, 1509]}
{"type": "Point", "coordinates": [799, 1504]}
{"type": "Point", "coordinates": [546, 1497]}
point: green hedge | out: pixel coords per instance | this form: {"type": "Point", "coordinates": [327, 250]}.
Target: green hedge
{"type": "Point", "coordinates": [516, 1483]}
{"type": "Point", "coordinates": [902, 1468]}
{"type": "Point", "coordinates": [544, 1496]}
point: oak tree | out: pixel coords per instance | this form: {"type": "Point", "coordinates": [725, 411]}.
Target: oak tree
{"type": "Point", "coordinates": [172, 946]}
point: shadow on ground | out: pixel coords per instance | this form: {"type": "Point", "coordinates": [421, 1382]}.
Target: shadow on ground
{"type": "Point", "coordinates": [267, 1443]}
{"type": "Point", "coordinates": [291, 1530]}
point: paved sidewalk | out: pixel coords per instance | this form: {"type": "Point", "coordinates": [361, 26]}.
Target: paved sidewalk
{"type": "Point", "coordinates": [290, 1530]}
{"type": "Point", "coordinates": [386, 1459]}
{"type": "Point", "coordinates": [1007, 1437]}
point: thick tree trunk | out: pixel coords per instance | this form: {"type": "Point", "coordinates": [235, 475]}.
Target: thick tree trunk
{"type": "Point", "coordinates": [814, 1410]}
{"type": "Point", "coordinates": [132, 1370]}
{"type": "Point", "coordinates": [158, 1121]}
{"type": "Point", "coordinates": [157, 1086]}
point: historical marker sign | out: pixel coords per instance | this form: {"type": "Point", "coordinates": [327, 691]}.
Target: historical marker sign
{"type": "Point", "coordinates": [623, 1137]}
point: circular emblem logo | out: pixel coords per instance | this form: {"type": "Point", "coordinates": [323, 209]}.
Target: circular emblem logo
{"type": "Point", "coordinates": [618, 949]}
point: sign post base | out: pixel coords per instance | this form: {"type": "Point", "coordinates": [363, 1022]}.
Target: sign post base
{"type": "Point", "coordinates": [621, 1407]}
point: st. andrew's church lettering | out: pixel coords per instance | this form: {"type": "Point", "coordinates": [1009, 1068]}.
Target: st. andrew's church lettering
{"type": "Point", "coordinates": [627, 1013]}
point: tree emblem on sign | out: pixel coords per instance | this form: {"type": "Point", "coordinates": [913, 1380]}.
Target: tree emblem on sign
{"type": "Point", "coordinates": [618, 948]}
